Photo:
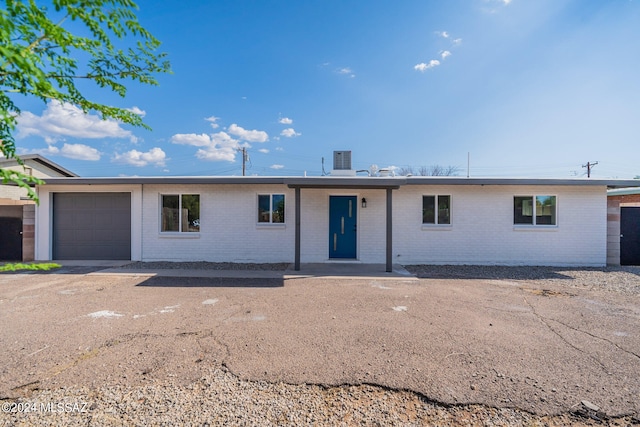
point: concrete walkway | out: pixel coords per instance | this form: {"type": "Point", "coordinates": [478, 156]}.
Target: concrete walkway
{"type": "Point", "coordinates": [325, 271]}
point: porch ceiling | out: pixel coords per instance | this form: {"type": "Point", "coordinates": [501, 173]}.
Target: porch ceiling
{"type": "Point", "coordinates": [335, 182]}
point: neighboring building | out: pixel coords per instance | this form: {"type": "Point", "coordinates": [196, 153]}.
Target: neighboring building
{"type": "Point", "coordinates": [17, 211]}
{"type": "Point", "coordinates": [407, 220]}
{"type": "Point", "coordinates": [623, 226]}
{"type": "Point", "coordinates": [34, 165]}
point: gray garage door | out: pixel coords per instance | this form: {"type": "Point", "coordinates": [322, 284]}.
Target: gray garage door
{"type": "Point", "coordinates": [92, 226]}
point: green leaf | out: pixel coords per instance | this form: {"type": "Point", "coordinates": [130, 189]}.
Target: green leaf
{"type": "Point", "coordinates": [40, 58]}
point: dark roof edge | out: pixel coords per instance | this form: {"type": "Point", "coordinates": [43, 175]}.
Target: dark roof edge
{"type": "Point", "coordinates": [43, 161]}
{"type": "Point", "coordinates": [610, 183]}
{"type": "Point", "coordinates": [165, 180]}
{"type": "Point", "coordinates": [54, 166]}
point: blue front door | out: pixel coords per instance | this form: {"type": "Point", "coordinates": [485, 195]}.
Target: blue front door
{"type": "Point", "coordinates": [342, 226]}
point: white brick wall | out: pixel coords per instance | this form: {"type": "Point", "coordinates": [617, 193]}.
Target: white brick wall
{"type": "Point", "coordinates": [229, 229]}
{"type": "Point", "coordinates": [482, 230]}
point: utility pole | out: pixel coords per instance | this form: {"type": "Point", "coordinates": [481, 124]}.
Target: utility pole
{"type": "Point", "coordinates": [468, 162]}
{"type": "Point", "coordinates": [589, 165]}
{"type": "Point", "coordinates": [244, 160]}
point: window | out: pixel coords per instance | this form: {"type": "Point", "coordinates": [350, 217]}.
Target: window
{"type": "Point", "coordinates": [436, 209]}
{"type": "Point", "coordinates": [534, 210]}
{"type": "Point", "coordinates": [180, 213]}
{"type": "Point", "coordinates": [271, 208]}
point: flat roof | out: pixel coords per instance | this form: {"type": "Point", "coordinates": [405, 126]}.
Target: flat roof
{"type": "Point", "coordinates": [341, 182]}
{"type": "Point", "coordinates": [624, 191]}
{"type": "Point", "coordinates": [456, 180]}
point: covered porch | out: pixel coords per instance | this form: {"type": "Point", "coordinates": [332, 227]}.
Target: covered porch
{"type": "Point", "coordinates": [342, 183]}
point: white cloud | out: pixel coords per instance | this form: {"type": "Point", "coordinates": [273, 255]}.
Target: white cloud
{"type": "Point", "coordinates": [290, 133]}
{"type": "Point", "coordinates": [216, 154]}
{"type": "Point", "coordinates": [155, 157]}
{"type": "Point", "coordinates": [422, 67]}
{"type": "Point", "coordinates": [279, 149]}
{"type": "Point", "coordinates": [285, 121]}
{"type": "Point", "coordinates": [445, 54]}
{"type": "Point", "coordinates": [457, 42]}
{"type": "Point", "coordinates": [193, 139]}
{"type": "Point", "coordinates": [248, 135]}
{"type": "Point", "coordinates": [60, 120]}
{"type": "Point", "coordinates": [219, 146]}
{"type": "Point", "coordinates": [138, 111]}
{"type": "Point", "coordinates": [223, 139]}
{"type": "Point", "coordinates": [346, 71]}
{"type": "Point", "coordinates": [213, 120]}
{"type": "Point", "coordinates": [443, 34]}
{"type": "Point", "coordinates": [277, 166]}
{"type": "Point", "coordinates": [75, 151]}
{"type": "Point", "coordinates": [264, 150]}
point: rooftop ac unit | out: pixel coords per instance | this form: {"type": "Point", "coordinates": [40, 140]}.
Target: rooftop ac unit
{"type": "Point", "coordinates": [342, 160]}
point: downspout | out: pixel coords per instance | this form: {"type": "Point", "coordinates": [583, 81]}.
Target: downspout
{"type": "Point", "coordinates": [297, 232]}
{"type": "Point", "coordinates": [389, 230]}
{"type": "Point", "coordinates": [141, 222]}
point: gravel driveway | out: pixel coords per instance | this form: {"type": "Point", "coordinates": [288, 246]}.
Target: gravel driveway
{"type": "Point", "coordinates": [461, 346]}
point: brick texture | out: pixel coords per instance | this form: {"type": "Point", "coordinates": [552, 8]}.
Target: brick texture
{"type": "Point", "coordinates": [482, 229]}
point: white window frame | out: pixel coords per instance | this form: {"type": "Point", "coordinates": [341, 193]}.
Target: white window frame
{"type": "Point", "coordinates": [270, 223]}
{"type": "Point", "coordinates": [534, 225]}
{"type": "Point", "coordinates": [179, 232]}
{"type": "Point", "coordinates": [435, 224]}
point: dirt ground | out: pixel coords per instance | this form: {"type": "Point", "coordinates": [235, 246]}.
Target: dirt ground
{"type": "Point", "coordinates": [538, 346]}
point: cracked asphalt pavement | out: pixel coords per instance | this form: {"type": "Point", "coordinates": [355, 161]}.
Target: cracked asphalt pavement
{"type": "Point", "coordinates": [540, 347]}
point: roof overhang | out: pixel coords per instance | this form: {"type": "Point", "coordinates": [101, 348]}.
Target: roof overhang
{"type": "Point", "coordinates": [346, 182]}
{"type": "Point", "coordinates": [37, 158]}
{"type": "Point", "coordinates": [330, 182]}
{"type": "Point", "coordinates": [626, 191]}
{"type": "Point", "coordinates": [53, 166]}
{"type": "Point", "coordinates": [452, 180]}
{"type": "Point", "coordinates": [166, 180]}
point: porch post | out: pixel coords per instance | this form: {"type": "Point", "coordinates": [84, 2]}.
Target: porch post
{"type": "Point", "coordinates": [389, 231]}
{"type": "Point", "coordinates": [297, 244]}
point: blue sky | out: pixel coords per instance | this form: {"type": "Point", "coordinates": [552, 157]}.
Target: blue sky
{"type": "Point", "coordinates": [532, 88]}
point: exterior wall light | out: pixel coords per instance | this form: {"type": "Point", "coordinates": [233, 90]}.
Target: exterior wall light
{"type": "Point", "coordinates": [364, 202]}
